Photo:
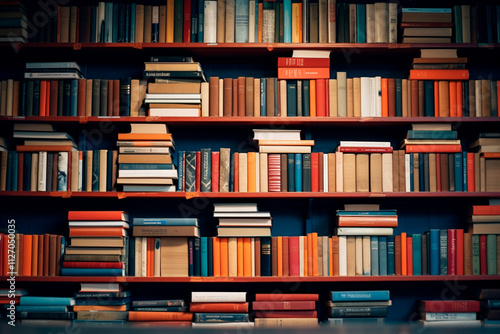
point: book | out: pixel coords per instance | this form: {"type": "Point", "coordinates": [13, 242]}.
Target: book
{"type": "Point", "coordinates": [217, 297]}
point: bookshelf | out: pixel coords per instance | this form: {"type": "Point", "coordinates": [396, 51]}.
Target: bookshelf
{"type": "Point", "coordinates": [296, 213]}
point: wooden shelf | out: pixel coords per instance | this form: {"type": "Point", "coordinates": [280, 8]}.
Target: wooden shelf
{"type": "Point", "coordinates": [272, 279]}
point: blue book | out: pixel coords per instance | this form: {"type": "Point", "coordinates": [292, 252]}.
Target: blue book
{"type": "Point", "coordinates": [443, 252]}
{"type": "Point", "coordinates": [368, 311]}
{"type": "Point", "coordinates": [265, 256]}
{"type": "Point", "coordinates": [46, 315]}
{"type": "Point", "coordinates": [176, 221]}
{"type": "Point", "coordinates": [417, 253]}
{"type": "Point", "coordinates": [298, 171]}
{"type": "Point", "coordinates": [429, 98]}
{"type": "Point", "coordinates": [36, 98]}
{"type": "Point", "coordinates": [287, 21]}
{"type": "Point", "coordinates": [382, 255]}
{"type": "Point", "coordinates": [206, 170]}
{"type": "Point", "coordinates": [263, 95]}
{"type": "Point", "coordinates": [203, 256]}
{"type": "Point", "coordinates": [426, 10]}
{"type": "Point", "coordinates": [180, 170]}
{"type": "Point", "coordinates": [361, 23]}
{"type": "Point", "coordinates": [67, 92]}
{"type": "Point", "coordinates": [27, 172]}
{"type": "Point", "coordinates": [73, 111]}
{"type": "Point", "coordinates": [434, 251]}
{"type": "Point", "coordinates": [459, 171]}
{"type": "Point", "coordinates": [306, 100]}
{"type": "Point", "coordinates": [108, 22]}
{"type": "Point", "coordinates": [91, 272]}
{"type": "Point", "coordinates": [196, 257]}
{"type": "Point", "coordinates": [162, 309]}
{"type": "Point", "coordinates": [201, 21]}
{"type": "Point", "coordinates": [210, 250]}
{"type": "Point", "coordinates": [102, 300]}
{"type": "Point", "coordinates": [241, 12]}
{"type": "Point", "coordinates": [125, 96]}
{"type": "Point", "coordinates": [374, 265]}
{"type": "Point", "coordinates": [421, 171]}
{"type": "Point", "coordinates": [131, 34]}
{"type": "Point", "coordinates": [498, 23]}
{"type": "Point", "coordinates": [78, 323]}
{"type": "Point", "coordinates": [291, 98]}
{"type": "Point", "coordinates": [158, 302]}
{"type": "Point", "coordinates": [39, 300]}
{"type": "Point", "coordinates": [116, 21]}
{"type": "Point", "coordinates": [291, 171]}
{"type": "Point", "coordinates": [386, 212]}
{"type": "Point", "coordinates": [422, 134]}
{"type": "Point", "coordinates": [42, 308]}
{"type": "Point", "coordinates": [464, 171]}
{"type": "Point", "coordinates": [190, 256]}
{"type": "Point", "coordinates": [493, 304]}
{"type": "Point", "coordinates": [220, 317]}
{"type": "Point", "coordinates": [362, 295]}
{"type": "Point", "coordinates": [390, 256]}
{"type": "Point", "coordinates": [152, 166]}
{"type": "Point", "coordinates": [399, 96]}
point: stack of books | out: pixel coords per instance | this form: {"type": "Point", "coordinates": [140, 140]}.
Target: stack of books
{"type": "Point", "coordinates": [485, 228]}
{"type": "Point", "coordinates": [220, 310]}
{"type": "Point", "coordinates": [431, 138]}
{"type": "Point", "coordinates": [456, 313]}
{"type": "Point", "coordinates": [490, 307]}
{"type": "Point", "coordinates": [439, 59]}
{"type": "Point", "coordinates": [281, 141]}
{"type": "Point", "coordinates": [46, 310]}
{"type": "Point", "coordinates": [158, 241]}
{"type": "Point", "coordinates": [13, 23]}
{"type": "Point", "coordinates": [160, 312]}
{"type": "Point", "coordinates": [285, 310]}
{"type": "Point", "coordinates": [54, 70]}
{"type": "Point", "coordinates": [145, 158]}
{"type": "Point", "coordinates": [426, 25]}
{"type": "Point", "coordinates": [305, 64]}
{"type": "Point", "coordinates": [366, 165]}
{"type": "Point", "coordinates": [175, 86]}
{"type": "Point", "coordinates": [113, 305]}
{"type": "Point", "coordinates": [487, 154]}
{"type": "Point", "coordinates": [358, 307]}
{"type": "Point", "coordinates": [98, 244]}
{"type": "Point", "coordinates": [242, 220]}
{"type": "Point", "coordinates": [5, 298]}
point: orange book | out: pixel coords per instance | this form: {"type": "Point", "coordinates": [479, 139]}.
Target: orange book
{"type": "Point", "coordinates": [43, 98]}
{"type": "Point", "coordinates": [216, 256]}
{"type": "Point", "coordinates": [460, 251]}
{"type": "Point", "coordinates": [453, 98]}
{"type": "Point", "coordinates": [224, 262]}
{"type": "Point", "coordinates": [46, 254]}
{"type": "Point", "coordinates": [368, 221]}
{"type": "Point", "coordinates": [312, 98]}
{"type": "Point", "coordinates": [306, 256]}
{"type": "Point", "coordinates": [286, 255]}
{"type": "Point", "coordinates": [77, 308]}
{"type": "Point", "coordinates": [444, 99]}
{"type": "Point", "coordinates": [335, 253]}
{"type": "Point", "coordinates": [34, 255]}
{"type": "Point", "coordinates": [441, 74]}
{"type": "Point", "coordinates": [247, 256]}
{"type": "Point", "coordinates": [144, 136]}
{"type": "Point", "coordinates": [150, 256]}
{"type": "Point", "coordinates": [303, 73]}
{"type": "Point", "coordinates": [261, 19]}
{"type": "Point", "coordinates": [490, 155]}
{"type": "Point", "coordinates": [441, 148]}
{"type": "Point", "coordinates": [314, 240]}
{"type": "Point", "coordinates": [236, 173]}
{"type": "Point", "coordinates": [97, 215]}
{"type": "Point", "coordinates": [315, 180]}
{"type": "Point", "coordinates": [96, 232]}
{"type": "Point", "coordinates": [414, 98]}
{"type": "Point", "coordinates": [82, 97]}
{"type": "Point", "coordinates": [27, 254]}
{"type": "Point", "coordinates": [258, 252]}
{"type": "Point", "coordinates": [409, 255]}
{"type": "Point", "coordinates": [321, 106]}
{"type": "Point", "coordinates": [397, 255]}
{"type": "Point", "coordinates": [240, 256]}
{"type": "Point", "coordinates": [330, 257]}
{"type": "Point", "coordinates": [436, 98]}
{"type": "Point", "coordinates": [241, 96]}
{"type": "Point", "coordinates": [159, 316]}
{"type": "Point", "coordinates": [41, 241]}
{"type": "Point", "coordinates": [309, 262]}
{"type": "Point", "coordinates": [404, 259]}
{"type": "Point", "coordinates": [385, 98]}
{"type": "Point", "coordinates": [218, 307]}
{"type": "Point", "coordinates": [251, 171]}
{"type": "Point", "coordinates": [279, 244]}
{"type": "Point", "coordinates": [460, 97]}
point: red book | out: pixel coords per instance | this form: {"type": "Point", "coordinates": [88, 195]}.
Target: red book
{"type": "Point", "coordinates": [320, 172]}
{"type": "Point", "coordinates": [284, 305]}
{"type": "Point", "coordinates": [54, 92]}
{"type": "Point", "coordinates": [483, 255]}
{"type": "Point", "coordinates": [391, 93]}
{"type": "Point", "coordinates": [48, 148]}
{"type": "Point", "coordinates": [414, 98]}
{"type": "Point", "coordinates": [236, 173]}
{"type": "Point", "coordinates": [471, 180]}
{"type": "Point", "coordinates": [293, 256]}
{"type": "Point", "coordinates": [150, 256]}
{"type": "Point", "coordinates": [368, 221]}
{"type": "Point", "coordinates": [198, 171]}
{"type": "Point", "coordinates": [303, 62]}
{"type": "Point", "coordinates": [455, 306]}
{"type": "Point", "coordinates": [315, 171]}
{"type": "Point", "coordinates": [455, 74]}
{"type": "Point", "coordinates": [365, 149]}
{"type": "Point", "coordinates": [110, 98]}
{"type": "Point", "coordinates": [385, 97]}
{"type": "Point", "coordinates": [436, 98]}
{"type": "Point", "coordinates": [218, 307]}
{"type": "Point", "coordinates": [215, 171]}
{"type": "Point", "coordinates": [98, 215]}
{"type": "Point", "coordinates": [82, 97]}
{"type": "Point", "coordinates": [409, 255]}
{"type": "Point", "coordinates": [43, 98]}
{"type": "Point", "coordinates": [452, 251]}
{"type": "Point", "coordinates": [460, 251]}
{"type": "Point", "coordinates": [2, 241]}
{"type": "Point", "coordinates": [441, 148]}
{"type": "Point", "coordinates": [303, 73]}
{"type": "Point", "coordinates": [286, 314]}
{"type": "Point", "coordinates": [453, 98]}
{"type": "Point", "coordinates": [397, 255]}
{"type": "Point", "coordinates": [78, 264]}
{"type": "Point", "coordinates": [274, 172]}
{"type": "Point", "coordinates": [404, 254]}
{"type": "Point", "coordinates": [486, 209]}
{"type": "Point", "coordinates": [159, 316]}
{"type": "Point", "coordinates": [286, 296]}
{"type": "Point", "coordinates": [186, 31]}
{"type": "Point", "coordinates": [321, 106]}
{"type": "Point", "coordinates": [96, 232]}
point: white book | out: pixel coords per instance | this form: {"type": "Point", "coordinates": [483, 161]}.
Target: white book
{"type": "Point", "coordinates": [362, 143]}
{"type": "Point", "coordinates": [387, 176]}
{"type": "Point", "coordinates": [185, 96]}
{"type": "Point", "coordinates": [218, 297]}
{"type": "Point", "coordinates": [378, 96]}
{"type": "Point", "coordinates": [138, 256]}
{"type": "Point", "coordinates": [144, 256]}
{"type": "Point", "coordinates": [323, 21]}
{"type": "Point", "coordinates": [339, 171]}
{"type": "Point", "coordinates": [393, 22]}
{"type": "Point", "coordinates": [450, 316]}
{"type": "Point", "coordinates": [170, 173]}
{"type": "Point", "coordinates": [210, 21]}
{"type": "Point", "coordinates": [344, 231]}
{"type": "Point", "coordinates": [42, 171]}
{"type": "Point", "coordinates": [102, 223]}
{"type": "Point", "coordinates": [311, 53]}
{"type": "Point", "coordinates": [342, 255]}
{"type": "Point", "coordinates": [263, 175]}
{"type": "Point", "coordinates": [175, 112]}
{"type": "Point", "coordinates": [235, 207]}
{"type": "Point", "coordinates": [373, 94]}
{"type": "Point", "coordinates": [365, 97]}
{"type": "Point", "coordinates": [359, 255]}
{"type": "Point", "coordinates": [370, 23]}
{"type": "Point", "coordinates": [325, 173]}
{"type": "Point", "coordinates": [407, 172]}
{"type": "Point", "coordinates": [251, 21]}
{"type": "Point", "coordinates": [284, 149]}
{"type": "Point", "coordinates": [205, 99]}
{"type": "Point", "coordinates": [278, 134]}
{"type": "Point", "coordinates": [381, 23]}
{"type": "Point", "coordinates": [301, 255]}
{"type": "Point", "coordinates": [243, 172]}
{"type": "Point", "coordinates": [62, 171]}
{"type": "Point", "coordinates": [157, 258]}
{"type": "Point", "coordinates": [241, 214]}
{"type": "Point", "coordinates": [268, 25]}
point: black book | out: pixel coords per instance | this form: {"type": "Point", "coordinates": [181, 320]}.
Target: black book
{"type": "Point", "coordinates": [60, 98]}
{"type": "Point", "coordinates": [96, 97]}
{"type": "Point", "coordinates": [103, 108]}
{"type": "Point", "coordinates": [125, 96]}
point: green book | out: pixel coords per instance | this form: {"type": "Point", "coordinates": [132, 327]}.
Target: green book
{"type": "Point", "coordinates": [491, 253]}
{"type": "Point", "coordinates": [457, 20]}
{"type": "Point", "coordinates": [443, 252]}
{"type": "Point", "coordinates": [475, 255]}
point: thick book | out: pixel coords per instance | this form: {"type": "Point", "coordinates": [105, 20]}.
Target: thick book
{"type": "Point", "coordinates": [219, 307]}
{"type": "Point", "coordinates": [450, 306]}
{"type": "Point", "coordinates": [39, 300]}
{"type": "Point", "coordinates": [216, 317]}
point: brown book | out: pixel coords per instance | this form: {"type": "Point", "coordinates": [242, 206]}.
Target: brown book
{"type": "Point", "coordinates": [241, 96]}
{"type": "Point", "coordinates": [395, 170]}
{"type": "Point", "coordinates": [391, 93]}
{"type": "Point", "coordinates": [227, 106]}
{"type": "Point", "coordinates": [54, 91]}
{"type": "Point", "coordinates": [145, 158]}
{"type": "Point", "coordinates": [397, 254]}
{"type": "Point", "coordinates": [404, 98]}
{"type": "Point", "coordinates": [376, 172]}
{"type": "Point", "coordinates": [443, 157]}
{"type": "Point", "coordinates": [286, 264]}
{"type": "Point", "coordinates": [331, 172]}
{"type": "Point", "coordinates": [174, 87]}
{"type": "Point", "coordinates": [274, 256]}
{"type": "Point", "coordinates": [424, 250]}
{"type": "Point", "coordinates": [351, 255]}
{"type": "Point", "coordinates": [468, 253]}
{"type": "Point", "coordinates": [52, 254]}
{"type": "Point", "coordinates": [34, 255]}
{"type": "Point", "coordinates": [416, 172]}
{"type": "Point", "coordinates": [320, 172]}
{"type": "Point", "coordinates": [41, 240]}
{"type": "Point", "coordinates": [284, 172]}
{"type": "Point", "coordinates": [485, 97]}
{"type": "Point", "coordinates": [111, 97]}
{"type": "Point", "coordinates": [82, 98]}
{"type": "Point", "coordinates": [356, 90]}
{"type": "Point", "coordinates": [415, 98]}
{"type": "Point", "coordinates": [335, 255]}
{"type": "Point", "coordinates": [213, 108]}
{"type": "Point", "coordinates": [421, 95]}
{"type": "Point", "coordinates": [492, 173]}
{"type": "Point", "coordinates": [350, 97]}
{"type": "Point", "coordinates": [249, 98]}
{"type": "Point", "coordinates": [84, 24]}
{"type": "Point", "coordinates": [432, 172]}
{"type": "Point", "coordinates": [15, 98]}
{"type": "Point", "coordinates": [73, 24]}
{"type": "Point", "coordinates": [46, 254]}
{"type": "Point", "coordinates": [116, 97]}
{"type": "Point", "coordinates": [235, 97]}
{"type": "Point", "coordinates": [139, 23]}
{"type": "Point", "coordinates": [362, 172]}
{"type": "Point", "coordinates": [176, 250]}
{"type": "Point", "coordinates": [166, 231]}
{"type": "Point", "coordinates": [349, 172]}
{"type": "Point", "coordinates": [402, 171]}
{"type": "Point", "coordinates": [64, 14]}
{"type": "Point", "coordinates": [444, 99]}
{"type": "Point", "coordinates": [270, 98]}
{"type": "Point", "coordinates": [472, 98]}
{"type": "Point", "coordinates": [97, 241]}
{"type": "Point", "coordinates": [148, 22]}
{"type": "Point", "coordinates": [257, 256]}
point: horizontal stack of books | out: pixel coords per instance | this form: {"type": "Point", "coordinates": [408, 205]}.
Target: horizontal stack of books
{"type": "Point", "coordinates": [145, 158]}
{"type": "Point", "coordinates": [175, 87]}
{"type": "Point", "coordinates": [160, 312]}
{"type": "Point", "coordinates": [455, 313]}
{"type": "Point", "coordinates": [431, 138]}
{"type": "Point", "coordinates": [13, 23]}
{"type": "Point", "coordinates": [242, 220]}
{"type": "Point", "coordinates": [426, 25]}
{"type": "Point", "coordinates": [489, 300]}
{"type": "Point", "coordinates": [54, 70]}
{"type": "Point", "coordinates": [46, 310]}
{"type": "Point", "coordinates": [289, 310]}
{"type": "Point", "coordinates": [358, 307]}
{"type": "Point", "coordinates": [113, 305]}
{"type": "Point", "coordinates": [310, 64]}
{"type": "Point", "coordinates": [281, 141]}
{"type": "Point", "coordinates": [98, 244]}
{"type": "Point", "coordinates": [220, 310]}
{"type": "Point", "coordinates": [486, 156]}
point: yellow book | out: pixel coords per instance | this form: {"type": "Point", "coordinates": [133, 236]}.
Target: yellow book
{"type": "Point", "coordinates": [170, 22]}
{"type": "Point", "coordinates": [279, 241]}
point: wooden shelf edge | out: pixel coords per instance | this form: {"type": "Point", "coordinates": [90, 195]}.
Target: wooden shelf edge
{"type": "Point", "coordinates": [127, 279]}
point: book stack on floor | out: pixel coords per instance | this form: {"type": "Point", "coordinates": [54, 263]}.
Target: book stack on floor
{"type": "Point", "coordinates": [98, 244]}
{"type": "Point", "coordinates": [304, 64]}
{"type": "Point", "coordinates": [161, 246]}
{"type": "Point", "coordinates": [358, 307]}
{"type": "Point", "coordinates": [426, 25]}
{"type": "Point", "coordinates": [160, 312]}
{"type": "Point", "coordinates": [145, 158]}
{"type": "Point", "coordinates": [489, 300]}
{"type": "Point", "coordinates": [455, 313]}
{"type": "Point", "coordinates": [94, 307]}
{"type": "Point", "coordinates": [486, 151]}
{"type": "Point", "coordinates": [46, 310]}
{"type": "Point", "coordinates": [14, 23]}
{"type": "Point", "coordinates": [289, 310]}
{"type": "Point", "coordinates": [242, 220]}
{"type": "Point", "coordinates": [175, 86]}
{"type": "Point", "coordinates": [485, 228]}
{"type": "Point", "coordinates": [220, 310]}
{"type": "Point", "coordinates": [366, 166]}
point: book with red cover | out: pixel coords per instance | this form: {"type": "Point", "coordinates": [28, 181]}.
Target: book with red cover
{"type": "Point", "coordinates": [79, 264]}
{"type": "Point", "coordinates": [294, 256]}
{"type": "Point", "coordinates": [460, 251]}
{"type": "Point", "coordinates": [54, 91]}
{"type": "Point", "coordinates": [441, 74]}
{"type": "Point", "coordinates": [286, 296]}
{"type": "Point", "coordinates": [215, 171]}
{"type": "Point", "coordinates": [159, 316]}
{"type": "Point", "coordinates": [98, 215]}
{"type": "Point", "coordinates": [198, 171]}
{"type": "Point", "coordinates": [47, 148]}
{"type": "Point", "coordinates": [284, 305]}
{"type": "Point", "coordinates": [486, 209]}
{"type": "Point", "coordinates": [409, 255]}
{"type": "Point", "coordinates": [218, 307]}
{"type": "Point", "coordinates": [286, 314]}
{"type": "Point", "coordinates": [96, 231]}
{"type": "Point", "coordinates": [186, 28]}
{"type": "Point", "coordinates": [397, 255]}
{"type": "Point", "coordinates": [303, 62]}
{"type": "Point", "coordinates": [303, 73]}
{"type": "Point", "coordinates": [452, 251]}
{"type": "Point", "coordinates": [455, 306]}
{"type": "Point", "coordinates": [471, 179]}
{"type": "Point", "coordinates": [366, 221]}
{"type": "Point", "coordinates": [315, 171]}
{"type": "Point", "coordinates": [437, 148]}
{"type": "Point", "coordinates": [144, 136]}
{"type": "Point", "coordinates": [321, 94]}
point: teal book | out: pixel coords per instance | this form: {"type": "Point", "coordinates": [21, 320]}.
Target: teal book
{"type": "Point", "coordinates": [103, 301]}
{"type": "Point", "coordinates": [117, 21]}
{"type": "Point", "coordinates": [298, 171]}
{"type": "Point", "coordinates": [206, 170]}
{"type": "Point", "coordinates": [95, 170]}
{"type": "Point", "coordinates": [91, 272]}
{"type": "Point", "coordinates": [374, 255]}
{"type": "Point", "coordinates": [291, 97]}
{"type": "Point", "coordinates": [391, 270]}
{"type": "Point", "coordinates": [210, 250]}
{"type": "Point", "coordinates": [263, 95]}
{"type": "Point", "coordinates": [162, 309]}
{"type": "Point", "coordinates": [190, 171]}
{"type": "Point", "coordinates": [180, 170]}
{"type": "Point", "coordinates": [361, 23]}
{"type": "Point", "coordinates": [178, 20]}
{"type": "Point", "coordinates": [443, 252]}
{"type": "Point", "coordinates": [425, 253]}
{"type": "Point", "coordinates": [423, 134]}
{"type": "Point", "coordinates": [358, 311]}
{"type": "Point", "coordinates": [131, 35]}
{"type": "Point", "coordinates": [494, 91]}
{"type": "Point", "coordinates": [457, 20]}
{"type": "Point", "coordinates": [73, 109]}
{"type": "Point", "coordinates": [39, 300]}
{"type": "Point", "coordinates": [196, 257]}
{"type": "Point", "coordinates": [417, 254]}
{"type": "Point", "coordinates": [36, 98]}
{"type": "Point", "coordinates": [220, 317]}
{"type": "Point", "coordinates": [361, 295]}
{"type": "Point", "coordinates": [434, 251]}
{"type": "Point", "coordinates": [306, 172]}
{"type": "Point", "coordinates": [475, 255]}
{"type": "Point", "coordinates": [241, 12]}
{"type": "Point", "coordinates": [175, 221]}
{"type": "Point", "coordinates": [382, 255]}
{"type": "Point", "coordinates": [341, 24]}
{"type": "Point", "coordinates": [42, 308]}
{"type": "Point", "coordinates": [491, 253]}
{"type": "Point", "coordinates": [265, 256]}
{"type": "Point", "coordinates": [201, 22]}
{"type": "Point", "coordinates": [108, 22]}
{"type": "Point", "coordinates": [464, 171]}
{"type": "Point", "coordinates": [306, 98]}
{"type": "Point", "coordinates": [399, 97]}
{"type": "Point", "coordinates": [429, 98]}
{"type": "Point", "coordinates": [459, 171]}
{"type": "Point", "coordinates": [46, 315]}
{"type": "Point", "coordinates": [287, 21]}
{"type": "Point", "coordinates": [204, 256]}
{"type": "Point", "coordinates": [291, 171]}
